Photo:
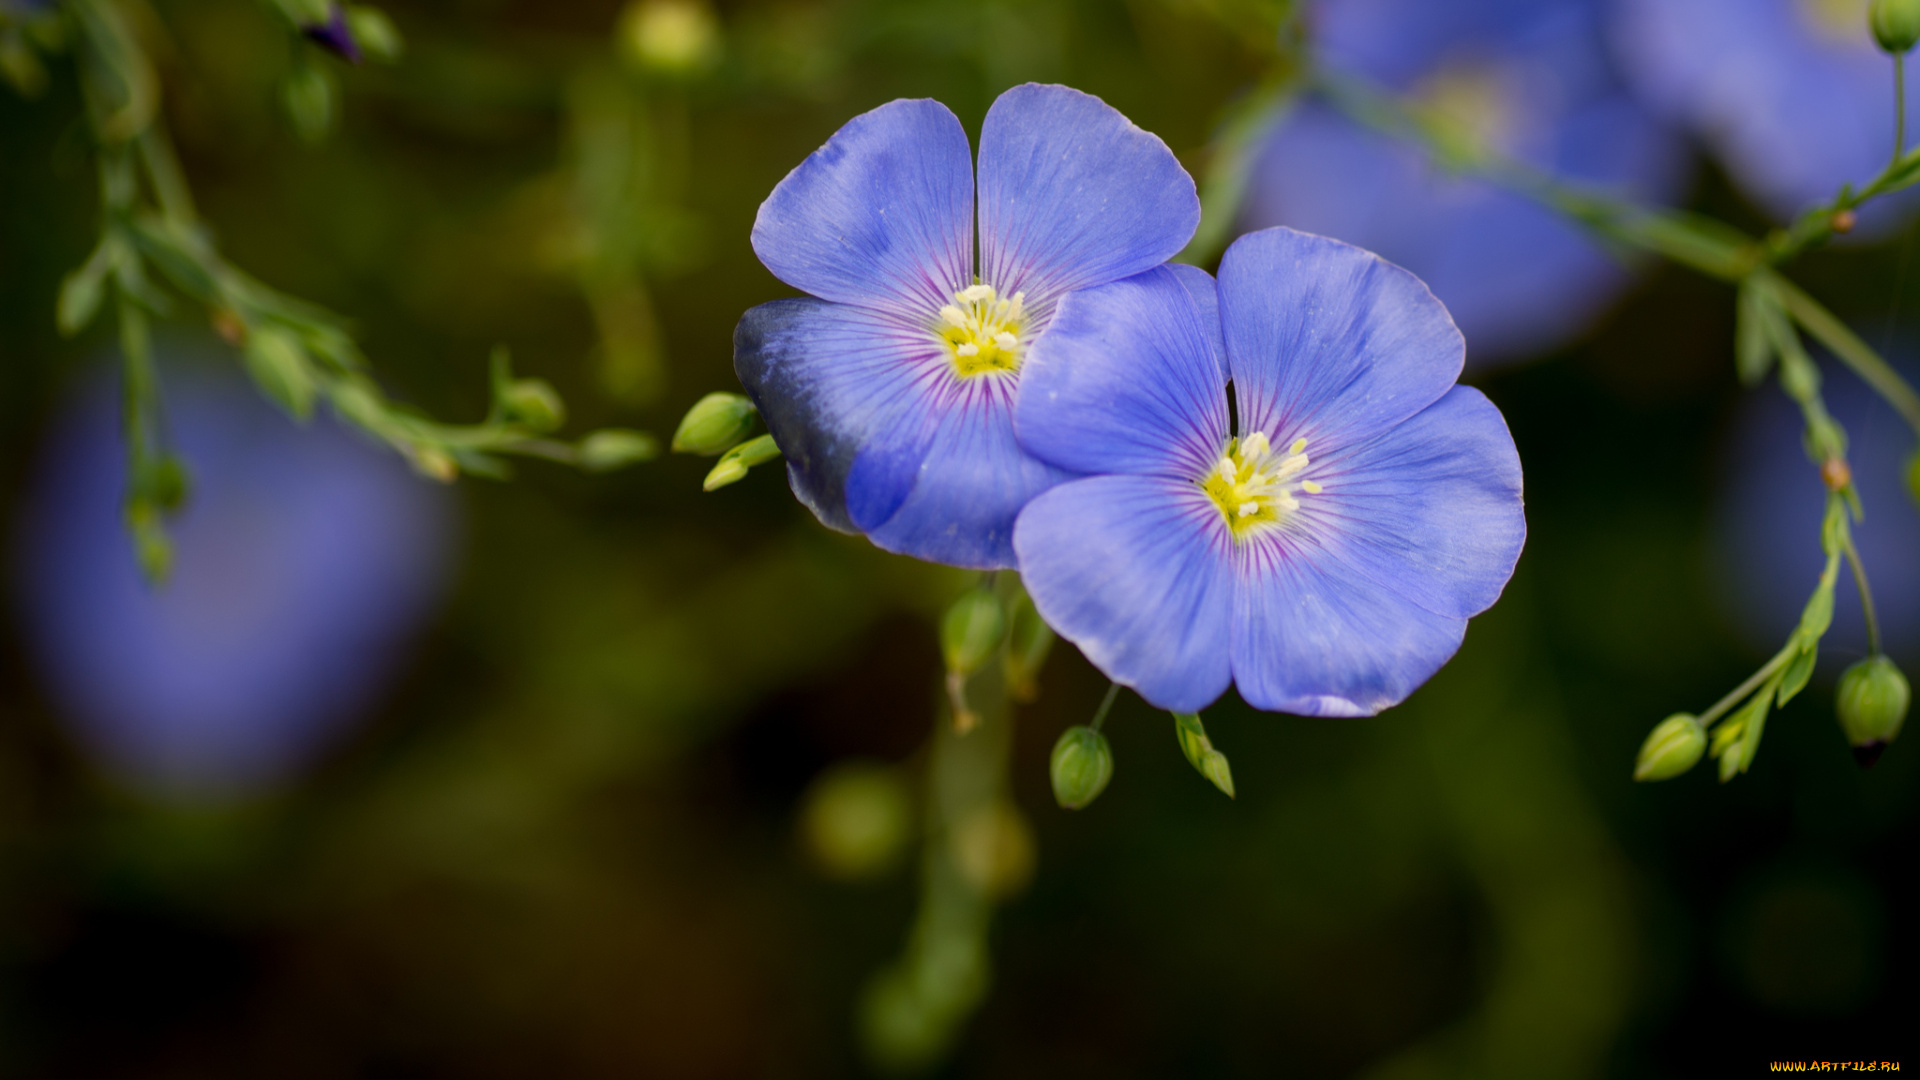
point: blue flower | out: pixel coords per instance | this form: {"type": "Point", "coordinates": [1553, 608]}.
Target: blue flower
{"type": "Point", "coordinates": [1528, 79]}
{"type": "Point", "coordinates": [1767, 525]}
{"type": "Point", "coordinates": [891, 394]}
{"type": "Point", "coordinates": [1792, 95]}
{"type": "Point", "coordinates": [303, 559]}
{"type": "Point", "coordinates": [1326, 560]}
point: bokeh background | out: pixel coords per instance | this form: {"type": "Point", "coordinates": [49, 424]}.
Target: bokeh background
{"type": "Point", "coordinates": [563, 834]}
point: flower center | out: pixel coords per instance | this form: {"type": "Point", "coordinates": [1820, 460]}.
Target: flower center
{"type": "Point", "coordinates": [982, 331]}
{"type": "Point", "coordinates": [1253, 484]}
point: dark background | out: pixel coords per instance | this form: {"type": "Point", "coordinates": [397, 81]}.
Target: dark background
{"type": "Point", "coordinates": [565, 844]}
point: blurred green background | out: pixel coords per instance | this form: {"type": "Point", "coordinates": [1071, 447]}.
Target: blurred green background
{"type": "Point", "coordinates": [568, 842]}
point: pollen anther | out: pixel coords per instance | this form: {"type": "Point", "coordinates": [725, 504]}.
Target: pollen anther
{"type": "Point", "coordinates": [982, 330]}
{"type": "Point", "coordinates": [1253, 485]}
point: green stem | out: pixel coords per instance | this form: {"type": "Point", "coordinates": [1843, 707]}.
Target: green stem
{"type": "Point", "coordinates": [1899, 107]}
{"type": "Point", "coordinates": [1106, 704]}
{"type": "Point", "coordinates": [1866, 594]}
{"type": "Point", "coordinates": [1780, 660]}
{"type": "Point", "coordinates": [1851, 351]}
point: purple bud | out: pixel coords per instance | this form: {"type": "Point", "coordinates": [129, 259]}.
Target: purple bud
{"type": "Point", "coordinates": [334, 35]}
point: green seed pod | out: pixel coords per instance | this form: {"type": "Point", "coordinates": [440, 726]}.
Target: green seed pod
{"type": "Point", "coordinates": [1674, 746]}
{"type": "Point", "coordinates": [1081, 766]}
{"type": "Point", "coordinates": [535, 403]}
{"type": "Point", "coordinates": [1872, 704]}
{"type": "Point", "coordinates": [971, 631]}
{"type": "Point", "coordinates": [713, 425]}
{"type": "Point", "coordinates": [1896, 24]}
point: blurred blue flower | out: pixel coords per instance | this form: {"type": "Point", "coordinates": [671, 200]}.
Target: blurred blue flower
{"type": "Point", "coordinates": [891, 395]}
{"type": "Point", "coordinates": [1325, 561]}
{"type": "Point", "coordinates": [1792, 95]}
{"type": "Point", "coordinates": [1529, 79]}
{"type": "Point", "coordinates": [334, 35]}
{"type": "Point", "coordinates": [1768, 524]}
{"type": "Point", "coordinates": [303, 559]}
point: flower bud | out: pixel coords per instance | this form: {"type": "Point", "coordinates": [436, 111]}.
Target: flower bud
{"type": "Point", "coordinates": [1913, 475]}
{"type": "Point", "coordinates": [1082, 764]}
{"type": "Point", "coordinates": [376, 35]}
{"type": "Point", "coordinates": [993, 849]}
{"type": "Point", "coordinates": [733, 464]}
{"type": "Point", "coordinates": [856, 819]}
{"type": "Point", "coordinates": [971, 631]}
{"type": "Point", "coordinates": [714, 424]}
{"type": "Point", "coordinates": [616, 448]}
{"type": "Point", "coordinates": [533, 402]}
{"type": "Point", "coordinates": [1895, 23]}
{"type": "Point", "coordinates": [1672, 747]}
{"type": "Point", "coordinates": [1872, 704]}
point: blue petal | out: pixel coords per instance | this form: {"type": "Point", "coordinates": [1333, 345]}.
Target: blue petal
{"type": "Point", "coordinates": [1072, 194]}
{"type": "Point", "coordinates": [1430, 511]}
{"type": "Point", "coordinates": [1312, 637]}
{"type": "Point", "coordinates": [1137, 572]}
{"type": "Point", "coordinates": [827, 378]}
{"type": "Point", "coordinates": [1328, 342]}
{"type": "Point", "coordinates": [1126, 380]}
{"type": "Point", "coordinates": [881, 216]}
{"type": "Point", "coordinates": [945, 482]}
{"type": "Point", "coordinates": [1206, 300]}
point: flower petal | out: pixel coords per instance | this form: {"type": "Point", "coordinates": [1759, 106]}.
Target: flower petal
{"type": "Point", "coordinates": [881, 216]}
{"type": "Point", "coordinates": [1072, 194]}
{"type": "Point", "coordinates": [1126, 380]}
{"type": "Point", "coordinates": [1136, 571]}
{"type": "Point", "coordinates": [1431, 510]}
{"type": "Point", "coordinates": [827, 378]}
{"type": "Point", "coordinates": [1328, 342]}
{"type": "Point", "coordinates": [1206, 299]}
{"type": "Point", "coordinates": [945, 481]}
{"type": "Point", "coordinates": [1312, 637]}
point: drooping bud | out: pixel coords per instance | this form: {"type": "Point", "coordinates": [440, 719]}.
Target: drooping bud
{"type": "Point", "coordinates": [971, 631]}
{"type": "Point", "coordinates": [733, 464]}
{"type": "Point", "coordinates": [376, 35]}
{"type": "Point", "coordinates": [855, 820]}
{"type": "Point", "coordinates": [1082, 764]}
{"type": "Point", "coordinates": [714, 424]}
{"type": "Point", "coordinates": [616, 448]}
{"type": "Point", "coordinates": [1896, 24]}
{"type": "Point", "coordinates": [1200, 753]}
{"type": "Point", "coordinates": [334, 34]}
{"type": "Point", "coordinates": [535, 403]}
{"type": "Point", "coordinates": [1872, 704]}
{"type": "Point", "coordinates": [1672, 747]}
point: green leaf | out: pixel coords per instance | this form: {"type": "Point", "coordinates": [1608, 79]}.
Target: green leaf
{"type": "Point", "coordinates": [1755, 712]}
{"type": "Point", "coordinates": [279, 366]}
{"type": "Point", "coordinates": [81, 292]}
{"type": "Point", "coordinates": [1799, 670]}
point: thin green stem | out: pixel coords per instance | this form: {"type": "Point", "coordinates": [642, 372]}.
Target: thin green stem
{"type": "Point", "coordinates": [1899, 107]}
{"type": "Point", "coordinates": [1106, 705]}
{"type": "Point", "coordinates": [1780, 659]}
{"type": "Point", "coordinates": [1851, 351]}
{"type": "Point", "coordinates": [1866, 594]}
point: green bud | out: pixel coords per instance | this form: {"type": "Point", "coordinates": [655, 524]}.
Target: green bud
{"type": "Point", "coordinates": [535, 403]}
{"type": "Point", "coordinates": [1199, 751]}
{"type": "Point", "coordinates": [856, 819]}
{"type": "Point", "coordinates": [375, 34]}
{"type": "Point", "coordinates": [1674, 746]}
{"type": "Point", "coordinates": [714, 424]}
{"type": "Point", "coordinates": [164, 481]}
{"type": "Point", "coordinates": [1872, 704]}
{"type": "Point", "coordinates": [1913, 475]}
{"type": "Point", "coordinates": [1896, 24]}
{"type": "Point", "coordinates": [734, 464]}
{"type": "Point", "coordinates": [616, 448]}
{"type": "Point", "coordinates": [1082, 764]}
{"type": "Point", "coordinates": [971, 631]}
